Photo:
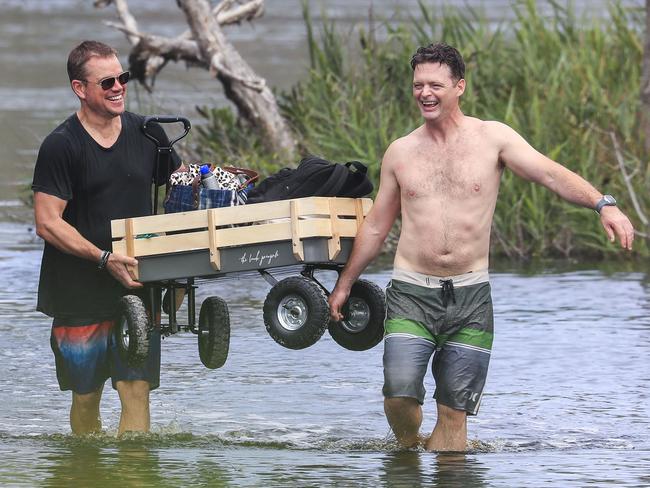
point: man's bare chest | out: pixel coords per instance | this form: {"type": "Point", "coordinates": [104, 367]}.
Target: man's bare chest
{"type": "Point", "coordinates": [449, 174]}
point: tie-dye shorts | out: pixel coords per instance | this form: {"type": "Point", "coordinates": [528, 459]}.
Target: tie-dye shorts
{"type": "Point", "coordinates": [86, 355]}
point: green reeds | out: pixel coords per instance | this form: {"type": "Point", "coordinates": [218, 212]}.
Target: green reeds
{"type": "Point", "coordinates": [569, 85]}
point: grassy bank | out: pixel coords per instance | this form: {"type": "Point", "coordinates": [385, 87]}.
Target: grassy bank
{"type": "Point", "coordinates": [570, 86]}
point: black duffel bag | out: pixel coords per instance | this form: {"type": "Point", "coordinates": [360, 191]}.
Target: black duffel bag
{"type": "Point", "coordinates": [314, 177]}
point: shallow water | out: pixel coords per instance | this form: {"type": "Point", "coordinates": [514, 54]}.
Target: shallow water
{"type": "Point", "coordinates": [566, 402]}
{"type": "Point", "coordinates": [568, 390]}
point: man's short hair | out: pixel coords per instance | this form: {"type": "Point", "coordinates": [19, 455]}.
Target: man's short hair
{"type": "Point", "coordinates": [441, 53]}
{"type": "Point", "coordinates": [80, 55]}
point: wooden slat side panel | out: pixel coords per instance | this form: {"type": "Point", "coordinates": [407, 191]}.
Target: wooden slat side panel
{"type": "Point", "coordinates": [296, 244]}
{"type": "Point", "coordinates": [367, 205]}
{"type": "Point", "coordinates": [225, 237]}
{"type": "Point", "coordinates": [323, 205]}
{"type": "Point", "coordinates": [155, 224]}
{"type": "Point", "coordinates": [197, 219]}
{"type": "Point", "coordinates": [237, 236]}
{"type": "Point", "coordinates": [340, 206]}
{"type": "Point", "coordinates": [360, 214]}
{"type": "Point", "coordinates": [213, 241]}
{"type": "Point", "coordinates": [195, 241]}
{"type": "Point", "coordinates": [334, 242]}
{"type": "Point", "coordinates": [119, 247]}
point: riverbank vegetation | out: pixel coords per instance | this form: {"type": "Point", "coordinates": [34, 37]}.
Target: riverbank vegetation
{"type": "Point", "coordinates": [569, 85]}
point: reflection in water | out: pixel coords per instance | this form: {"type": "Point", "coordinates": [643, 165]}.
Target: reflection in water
{"type": "Point", "coordinates": [84, 462]}
{"type": "Point", "coordinates": [645, 282]}
{"type": "Point", "coordinates": [459, 470]}
{"type": "Point", "coordinates": [98, 460]}
{"type": "Point", "coordinates": [412, 469]}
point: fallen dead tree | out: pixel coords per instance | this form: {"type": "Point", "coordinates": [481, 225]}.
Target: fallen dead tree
{"type": "Point", "coordinates": [205, 46]}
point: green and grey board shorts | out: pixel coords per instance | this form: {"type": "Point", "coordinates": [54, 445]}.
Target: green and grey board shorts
{"type": "Point", "coordinates": [448, 317]}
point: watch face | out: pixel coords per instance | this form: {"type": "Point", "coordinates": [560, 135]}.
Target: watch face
{"type": "Point", "coordinates": [609, 199]}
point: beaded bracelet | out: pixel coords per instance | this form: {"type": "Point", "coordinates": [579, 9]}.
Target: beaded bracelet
{"type": "Point", "coordinates": [104, 259]}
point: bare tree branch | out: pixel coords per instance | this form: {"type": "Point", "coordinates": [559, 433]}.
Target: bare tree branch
{"type": "Point", "coordinates": [226, 15]}
{"type": "Point", "coordinates": [206, 46]}
{"type": "Point", "coordinates": [217, 67]}
{"type": "Point", "coordinates": [627, 179]}
{"type": "Point", "coordinates": [125, 16]}
{"type": "Point", "coordinates": [250, 94]}
{"type": "Point", "coordinates": [151, 53]}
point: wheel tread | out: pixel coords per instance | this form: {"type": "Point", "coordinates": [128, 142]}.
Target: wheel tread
{"type": "Point", "coordinates": [214, 317]}
{"type": "Point", "coordinates": [372, 334]}
{"type": "Point", "coordinates": [316, 324]}
{"type": "Point", "coordinates": [133, 310]}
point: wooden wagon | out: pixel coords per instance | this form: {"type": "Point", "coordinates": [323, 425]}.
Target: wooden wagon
{"type": "Point", "coordinates": [176, 251]}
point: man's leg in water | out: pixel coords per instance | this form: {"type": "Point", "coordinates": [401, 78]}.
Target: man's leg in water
{"type": "Point", "coordinates": [450, 432]}
{"type": "Point", "coordinates": [404, 416]}
{"type": "Point", "coordinates": [134, 397]}
{"type": "Point", "coordinates": [133, 384]}
{"type": "Point", "coordinates": [406, 358]}
{"type": "Point", "coordinates": [84, 412]}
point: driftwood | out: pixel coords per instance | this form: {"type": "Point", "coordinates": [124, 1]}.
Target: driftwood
{"type": "Point", "coordinates": [206, 46]}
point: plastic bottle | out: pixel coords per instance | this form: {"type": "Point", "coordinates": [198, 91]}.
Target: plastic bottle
{"type": "Point", "coordinates": [208, 179]}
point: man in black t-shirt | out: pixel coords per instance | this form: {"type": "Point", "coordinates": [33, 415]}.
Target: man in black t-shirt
{"type": "Point", "coordinates": [95, 167]}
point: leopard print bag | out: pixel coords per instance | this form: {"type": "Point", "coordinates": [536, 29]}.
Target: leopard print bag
{"type": "Point", "coordinates": [186, 193]}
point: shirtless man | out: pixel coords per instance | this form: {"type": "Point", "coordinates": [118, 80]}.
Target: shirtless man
{"type": "Point", "coordinates": [444, 178]}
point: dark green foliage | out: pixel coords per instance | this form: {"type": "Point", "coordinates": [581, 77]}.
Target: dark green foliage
{"type": "Point", "coordinates": [230, 141]}
{"type": "Point", "coordinates": [568, 85]}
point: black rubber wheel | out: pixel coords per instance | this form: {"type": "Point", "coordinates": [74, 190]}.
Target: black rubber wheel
{"type": "Point", "coordinates": [132, 329]}
{"type": "Point", "coordinates": [362, 326]}
{"type": "Point", "coordinates": [214, 332]}
{"type": "Point", "coordinates": [296, 313]}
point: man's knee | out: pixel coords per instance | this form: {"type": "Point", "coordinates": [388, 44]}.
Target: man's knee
{"type": "Point", "coordinates": [405, 365]}
{"type": "Point", "coordinates": [399, 404]}
{"type": "Point", "coordinates": [401, 384]}
{"type": "Point", "coordinates": [87, 401]}
{"type": "Point", "coordinates": [134, 392]}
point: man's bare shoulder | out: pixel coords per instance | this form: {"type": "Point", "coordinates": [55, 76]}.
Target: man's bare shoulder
{"type": "Point", "coordinates": [488, 127]}
{"type": "Point", "coordinates": [493, 133]}
{"type": "Point", "coordinates": [402, 145]}
{"type": "Point", "coordinates": [493, 129]}
{"type": "Point", "coordinates": [408, 141]}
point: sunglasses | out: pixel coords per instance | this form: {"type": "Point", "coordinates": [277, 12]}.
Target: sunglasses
{"type": "Point", "coordinates": [108, 83]}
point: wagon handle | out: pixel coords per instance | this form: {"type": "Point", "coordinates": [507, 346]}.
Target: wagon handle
{"type": "Point", "coordinates": [163, 119]}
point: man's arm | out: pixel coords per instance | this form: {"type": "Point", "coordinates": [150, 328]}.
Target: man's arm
{"type": "Point", "coordinates": [371, 235]}
{"type": "Point", "coordinates": [48, 215]}
{"type": "Point", "coordinates": [531, 165]}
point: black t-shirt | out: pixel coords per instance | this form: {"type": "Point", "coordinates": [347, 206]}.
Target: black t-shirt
{"type": "Point", "coordinates": [99, 185]}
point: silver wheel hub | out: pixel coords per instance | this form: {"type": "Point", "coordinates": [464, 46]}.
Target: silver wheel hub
{"type": "Point", "coordinates": [358, 316]}
{"type": "Point", "coordinates": [123, 333]}
{"type": "Point", "coordinates": [292, 312]}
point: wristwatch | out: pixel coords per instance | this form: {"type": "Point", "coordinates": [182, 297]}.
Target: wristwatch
{"type": "Point", "coordinates": [606, 201]}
